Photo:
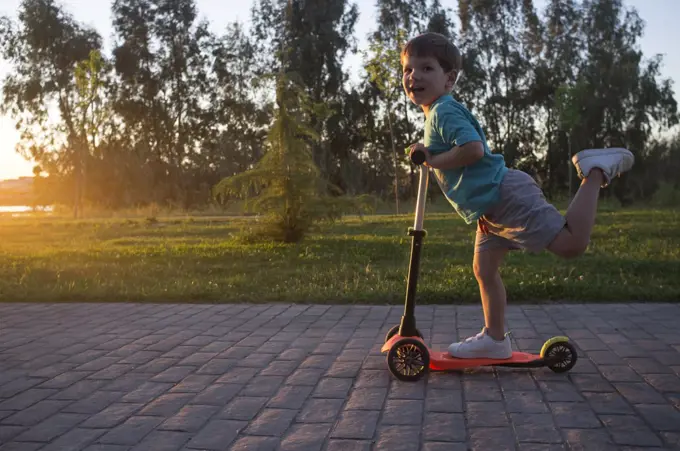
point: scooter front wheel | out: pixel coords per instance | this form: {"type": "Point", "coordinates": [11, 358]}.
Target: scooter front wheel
{"type": "Point", "coordinates": [561, 356]}
{"type": "Point", "coordinates": [393, 331]}
{"type": "Point", "coordinates": [408, 359]}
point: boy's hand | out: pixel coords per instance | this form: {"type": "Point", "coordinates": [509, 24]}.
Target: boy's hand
{"type": "Point", "coordinates": [419, 146]}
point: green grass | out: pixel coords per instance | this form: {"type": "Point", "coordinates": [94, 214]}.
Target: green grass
{"type": "Point", "coordinates": [634, 256]}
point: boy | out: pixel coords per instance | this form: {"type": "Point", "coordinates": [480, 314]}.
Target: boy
{"type": "Point", "coordinates": [508, 206]}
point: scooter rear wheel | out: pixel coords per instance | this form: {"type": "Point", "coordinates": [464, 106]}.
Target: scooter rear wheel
{"type": "Point", "coordinates": [393, 331]}
{"type": "Point", "coordinates": [408, 359]}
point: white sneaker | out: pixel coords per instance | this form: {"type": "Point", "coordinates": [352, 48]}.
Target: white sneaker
{"type": "Point", "coordinates": [482, 346]}
{"type": "Point", "coordinates": [613, 162]}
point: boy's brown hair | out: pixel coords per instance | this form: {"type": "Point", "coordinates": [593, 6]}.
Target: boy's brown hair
{"type": "Point", "coordinates": [437, 46]}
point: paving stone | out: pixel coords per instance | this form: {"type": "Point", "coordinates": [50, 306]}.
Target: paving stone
{"type": "Point", "coordinates": [7, 433]}
{"type": "Point", "coordinates": [487, 438]}
{"type": "Point", "coordinates": [174, 374]}
{"type": "Point", "coordinates": [272, 422]}
{"type": "Point", "coordinates": [445, 446]}
{"type": "Point", "coordinates": [66, 379]}
{"type": "Point", "coordinates": [535, 427]}
{"type": "Point", "coordinates": [166, 405]}
{"type": "Point", "coordinates": [243, 408]}
{"type": "Point", "coordinates": [449, 401]}
{"type": "Point", "coordinates": [262, 386]}
{"type": "Point", "coordinates": [20, 446]}
{"type": "Point", "coordinates": [398, 438]}
{"type": "Point", "coordinates": [26, 398]}
{"type": "Point", "coordinates": [74, 440]}
{"type": "Point", "coordinates": [305, 376]}
{"type": "Point", "coordinates": [444, 427]}
{"type": "Point", "coordinates": [639, 393]}
{"type": "Point", "coordinates": [348, 445]}
{"type": "Point", "coordinates": [280, 368]}
{"type": "Point", "coordinates": [146, 392]}
{"type": "Point", "coordinates": [608, 403]}
{"type": "Point", "coordinates": [320, 410]}
{"type": "Point", "coordinates": [366, 399]}
{"type": "Point", "coordinates": [131, 431]}
{"type": "Point", "coordinates": [34, 414]}
{"type": "Point", "coordinates": [111, 416]}
{"type": "Point", "coordinates": [594, 382]}
{"type": "Point", "coordinates": [589, 439]}
{"type": "Point", "coordinates": [525, 402]}
{"type": "Point", "coordinates": [217, 394]}
{"type": "Point", "coordinates": [356, 424]}
{"type": "Point", "coordinates": [559, 391]}
{"type": "Point", "coordinates": [217, 435]}
{"type": "Point", "coordinates": [660, 417]}
{"type": "Point", "coordinates": [51, 428]}
{"type": "Point", "coordinates": [630, 430]}
{"type": "Point", "coordinates": [332, 387]}
{"type": "Point", "coordinates": [482, 391]}
{"type": "Point", "coordinates": [402, 412]}
{"type": "Point", "coordinates": [305, 437]}
{"type": "Point", "coordinates": [574, 415]}
{"type": "Point", "coordinates": [189, 418]}
{"type": "Point", "coordinates": [344, 369]}
{"type": "Point", "coordinates": [486, 414]}
{"type": "Point", "coordinates": [255, 443]}
{"type": "Point", "coordinates": [664, 383]}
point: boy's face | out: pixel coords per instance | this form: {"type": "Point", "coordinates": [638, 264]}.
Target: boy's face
{"type": "Point", "coordinates": [424, 79]}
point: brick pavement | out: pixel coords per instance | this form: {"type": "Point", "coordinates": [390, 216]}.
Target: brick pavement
{"type": "Point", "coordinates": [113, 377]}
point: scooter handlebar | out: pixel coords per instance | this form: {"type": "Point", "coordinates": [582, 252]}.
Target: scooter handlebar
{"type": "Point", "coordinates": [418, 157]}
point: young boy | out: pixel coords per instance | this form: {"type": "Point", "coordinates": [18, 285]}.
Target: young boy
{"type": "Point", "coordinates": [508, 206]}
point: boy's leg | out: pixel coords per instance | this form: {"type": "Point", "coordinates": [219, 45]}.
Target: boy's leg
{"type": "Point", "coordinates": [486, 266]}
{"type": "Point", "coordinates": [597, 167]}
{"type": "Point", "coordinates": [491, 342]}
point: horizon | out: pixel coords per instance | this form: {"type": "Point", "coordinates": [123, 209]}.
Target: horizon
{"type": "Point", "coordinates": [659, 33]}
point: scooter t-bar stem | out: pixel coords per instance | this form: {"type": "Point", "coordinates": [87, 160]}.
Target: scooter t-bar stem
{"type": "Point", "coordinates": [418, 157]}
{"type": "Point", "coordinates": [407, 327]}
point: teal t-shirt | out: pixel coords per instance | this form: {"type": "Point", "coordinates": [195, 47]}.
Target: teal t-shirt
{"type": "Point", "coordinates": [472, 189]}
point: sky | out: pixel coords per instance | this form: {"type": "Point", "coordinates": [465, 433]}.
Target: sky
{"type": "Point", "coordinates": [659, 34]}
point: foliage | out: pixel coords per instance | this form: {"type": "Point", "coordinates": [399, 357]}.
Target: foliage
{"type": "Point", "coordinates": [175, 108]}
{"type": "Point", "coordinates": [287, 185]}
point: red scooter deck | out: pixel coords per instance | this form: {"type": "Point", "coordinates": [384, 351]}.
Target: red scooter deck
{"type": "Point", "coordinates": [443, 361]}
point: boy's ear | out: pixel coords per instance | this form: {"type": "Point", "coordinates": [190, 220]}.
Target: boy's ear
{"type": "Point", "coordinates": [453, 78]}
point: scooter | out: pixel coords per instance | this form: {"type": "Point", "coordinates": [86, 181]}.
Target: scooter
{"type": "Point", "coordinates": [409, 358]}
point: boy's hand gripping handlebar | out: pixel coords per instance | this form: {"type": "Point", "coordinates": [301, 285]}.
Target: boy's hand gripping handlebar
{"type": "Point", "coordinates": [418, 157]}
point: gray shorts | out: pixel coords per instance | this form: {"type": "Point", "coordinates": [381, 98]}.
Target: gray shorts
{"type": "Point", "coordinates": [523, 219]}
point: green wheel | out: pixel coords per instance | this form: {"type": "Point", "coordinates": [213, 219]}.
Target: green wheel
{"type": "Point", "coordinates": [408, 359]}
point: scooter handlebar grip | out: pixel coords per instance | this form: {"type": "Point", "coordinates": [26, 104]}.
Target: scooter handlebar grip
{"type": "Point", "coordinates": [418, 157]}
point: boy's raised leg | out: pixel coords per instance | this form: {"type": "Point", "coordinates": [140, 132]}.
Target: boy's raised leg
{"type": "Point", "coordinates": [597, 167]}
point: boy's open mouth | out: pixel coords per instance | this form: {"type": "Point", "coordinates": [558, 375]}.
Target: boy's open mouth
{"type": "Point", "coordinates": [417, 89]}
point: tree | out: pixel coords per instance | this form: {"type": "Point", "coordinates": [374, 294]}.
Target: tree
{"type": "Point", "coordinates": [285, 185]}
{"type": "Point", "coordinates": [382, 65]}
{"type": "Point", "coordinates": [45, 48]}
{"type": "Point", "coordinates": [163, 60]}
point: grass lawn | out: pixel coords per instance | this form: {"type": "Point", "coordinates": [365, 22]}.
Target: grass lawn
{"type": "Point", "coordinates": [634, 256]}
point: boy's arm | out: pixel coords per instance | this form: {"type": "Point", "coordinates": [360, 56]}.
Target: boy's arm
{"type": "Point", "coordinates": [455, 129]}
{"type": "Point", "coordinates": [467, 154]}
